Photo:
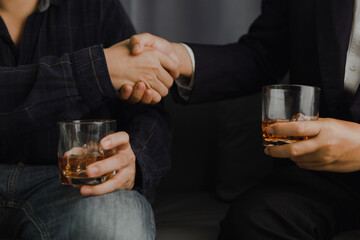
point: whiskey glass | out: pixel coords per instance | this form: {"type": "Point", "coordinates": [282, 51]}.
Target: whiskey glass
{"type": "Point", "coordinates": [79, 146]}
{"type": "Point", "coordinates": [285, 103]}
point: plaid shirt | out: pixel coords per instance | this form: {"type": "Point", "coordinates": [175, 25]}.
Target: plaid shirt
{"type": "Point", "coordinates": [59, 72]}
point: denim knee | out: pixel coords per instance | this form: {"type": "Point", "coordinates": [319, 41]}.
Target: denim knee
{"type": "Point", "coordinates": [125, 215]}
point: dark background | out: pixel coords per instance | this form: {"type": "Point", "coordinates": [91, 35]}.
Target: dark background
{"type": "Point", "coordinates": [217, 146]}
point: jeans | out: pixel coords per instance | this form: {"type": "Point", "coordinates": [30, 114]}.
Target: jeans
{"type": "Point", "coordinates": [34, 205]}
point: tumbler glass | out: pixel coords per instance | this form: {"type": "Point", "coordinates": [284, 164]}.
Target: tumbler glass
{"type": "Point", "coordinates": [284, 103]}
{"type": "Point", "coordinates": [79, 146]}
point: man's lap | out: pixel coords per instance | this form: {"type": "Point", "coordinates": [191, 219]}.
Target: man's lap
{"type": "Point", "coordinates": [294, 203]}
{"type": "Point", "coordinates": [34, 205]}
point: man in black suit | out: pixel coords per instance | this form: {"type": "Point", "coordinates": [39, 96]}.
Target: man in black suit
{"type": "Point", "coordinates": [317, 42]}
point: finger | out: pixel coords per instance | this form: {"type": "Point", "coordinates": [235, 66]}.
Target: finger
{"type": "Point", "coordinates": [114, 140]}
{"type": "Point", "coordinates": [157, 81]}
{"type": "Point", "coordinates": [300, 128]}
{"type": "Point", "coordinates": [293, 150]}
{"type": "Point", "coordinates": [166, 80]}
{"type": "Point", "coordinates": [125, 92]}
{"type": "Point", "coordinates": [117, 162]}
{"type": "Point", "coordinates": [147, 96]}
{"type": "Point", "coordinates": [156, 97]}
{"type": "Point", "coordinates": [171, 65]}
{"type": "Point", "coordinates": [75, 151]}
{"type": "Point", "coordinates": [138, 42]}
{"type": "Point", "coordinates": [138, 92]}
{"type": "Point", "coordinates": [122, 180]}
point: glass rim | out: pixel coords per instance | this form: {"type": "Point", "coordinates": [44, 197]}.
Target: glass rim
{"type": "Point", "coordinates": [87, 121]}
{"type": "Point", "coordinates": [284, 86]}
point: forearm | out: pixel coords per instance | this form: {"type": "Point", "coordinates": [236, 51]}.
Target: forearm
{"type": "Point", "coordinates": [57, 88]}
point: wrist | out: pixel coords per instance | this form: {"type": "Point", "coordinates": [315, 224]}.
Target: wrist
{"type": "Point", "coordinates": [185, 63]}
{"type": "Point", "coordinates": [109, 64]}
{"type": "Point", "coordinates": [114, 66]}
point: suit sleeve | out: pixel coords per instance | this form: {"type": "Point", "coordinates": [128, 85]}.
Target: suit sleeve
{"type": "Point", "coordinates": [259, 58]}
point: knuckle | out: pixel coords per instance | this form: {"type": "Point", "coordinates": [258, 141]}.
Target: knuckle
{"type": "Point", "coordinates": [146, 34]}
{"type": "Point", "coordinates": [294, 151]}
{"type": "Point", "coordinates": [134, 38]}
{"type": "Point", "coordinates": [147, 77]}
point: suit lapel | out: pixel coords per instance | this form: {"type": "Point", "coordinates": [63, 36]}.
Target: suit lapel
{"type": "Point", "coordinates": [334, 20]}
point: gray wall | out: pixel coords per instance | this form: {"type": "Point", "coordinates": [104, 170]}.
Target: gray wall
{"type": "Point", "coordinates": [205, 135]}
{"type": "Point", "coordinates": [202, 21]}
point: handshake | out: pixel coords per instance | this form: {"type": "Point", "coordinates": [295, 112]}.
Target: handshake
{"type": "Point", "coordinates": [144, 67]}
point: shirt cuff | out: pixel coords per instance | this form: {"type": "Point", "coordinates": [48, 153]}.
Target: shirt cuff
{"type": "Point", "coordinates": [92, 76]}
{"type": "Point", "coordinates": [184, 84]}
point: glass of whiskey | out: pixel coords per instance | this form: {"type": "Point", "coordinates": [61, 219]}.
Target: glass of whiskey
{"type": "Point", "coordinates": [285, 103]}
{"type": "Point", "coordinates": [79, 146]}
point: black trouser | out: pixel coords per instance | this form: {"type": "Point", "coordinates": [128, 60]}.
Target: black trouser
{"type": "Point", "coordinates": [295, 204]}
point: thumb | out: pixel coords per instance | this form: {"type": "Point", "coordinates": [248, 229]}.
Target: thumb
{"type": "Point", "coordinates": [138, 42]}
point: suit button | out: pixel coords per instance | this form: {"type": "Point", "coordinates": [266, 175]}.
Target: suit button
{"type": "Point", "coordinates": [353, 68]}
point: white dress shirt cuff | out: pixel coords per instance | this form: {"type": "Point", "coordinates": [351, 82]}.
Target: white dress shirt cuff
{"type": "Point", "coordinates": [185, 84]}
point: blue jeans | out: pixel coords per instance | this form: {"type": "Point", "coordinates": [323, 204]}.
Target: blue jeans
{"type": "Point", "coordinates": [34, 205]}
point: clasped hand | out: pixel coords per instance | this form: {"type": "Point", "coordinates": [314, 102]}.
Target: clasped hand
{"type": "Point", "coordinates": [334, 145]}
{"type": "Point", "coordinates": [175, 60]}
{"type": "Point", "coordinates": [155, 72]}
{"type": "Point", "coordinates": [144, 75]}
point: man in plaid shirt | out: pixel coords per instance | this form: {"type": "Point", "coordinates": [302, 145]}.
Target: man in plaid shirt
{"type": "Point", "coordinates": [65, 60]}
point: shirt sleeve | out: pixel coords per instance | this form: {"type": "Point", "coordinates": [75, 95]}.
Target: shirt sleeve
{"type": "Point", "coordinates": [36, 96]}
{"type": "Point", "coordinates": [149, 129]}
{"type": "Point", "coordinates": [184, 85]}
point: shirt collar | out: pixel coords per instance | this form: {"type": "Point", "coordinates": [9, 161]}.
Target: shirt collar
{"type": "Point", "coordinates": [45, 4]}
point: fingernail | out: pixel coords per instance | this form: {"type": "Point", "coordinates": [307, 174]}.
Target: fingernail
{"type": "Point", "coordinates": [86, 190]}
{"type": "Point", "coordinates": [92, 170]}
{"type": "Point", "coordinates": [269, 130]}
{"type": "Point", "coordinates": [106, 143]}
{"type": "Point", "coordinates": [267, 152]}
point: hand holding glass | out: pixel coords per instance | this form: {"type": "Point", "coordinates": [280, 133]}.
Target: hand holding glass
{"type": "Point", "coordinates": [79, 146]}
{"type": "Point", "coordinates": [284, 103]}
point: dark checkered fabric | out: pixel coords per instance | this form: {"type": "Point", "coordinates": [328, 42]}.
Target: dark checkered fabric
{"type": "Point", "coordinates": [59, 72]}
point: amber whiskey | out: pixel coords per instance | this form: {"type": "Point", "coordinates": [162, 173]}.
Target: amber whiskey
{"type": "Point", "coordinates": [73, 169]}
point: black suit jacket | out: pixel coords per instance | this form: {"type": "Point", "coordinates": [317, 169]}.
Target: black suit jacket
{"type": "Point", "coordinates": [307, 38]}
